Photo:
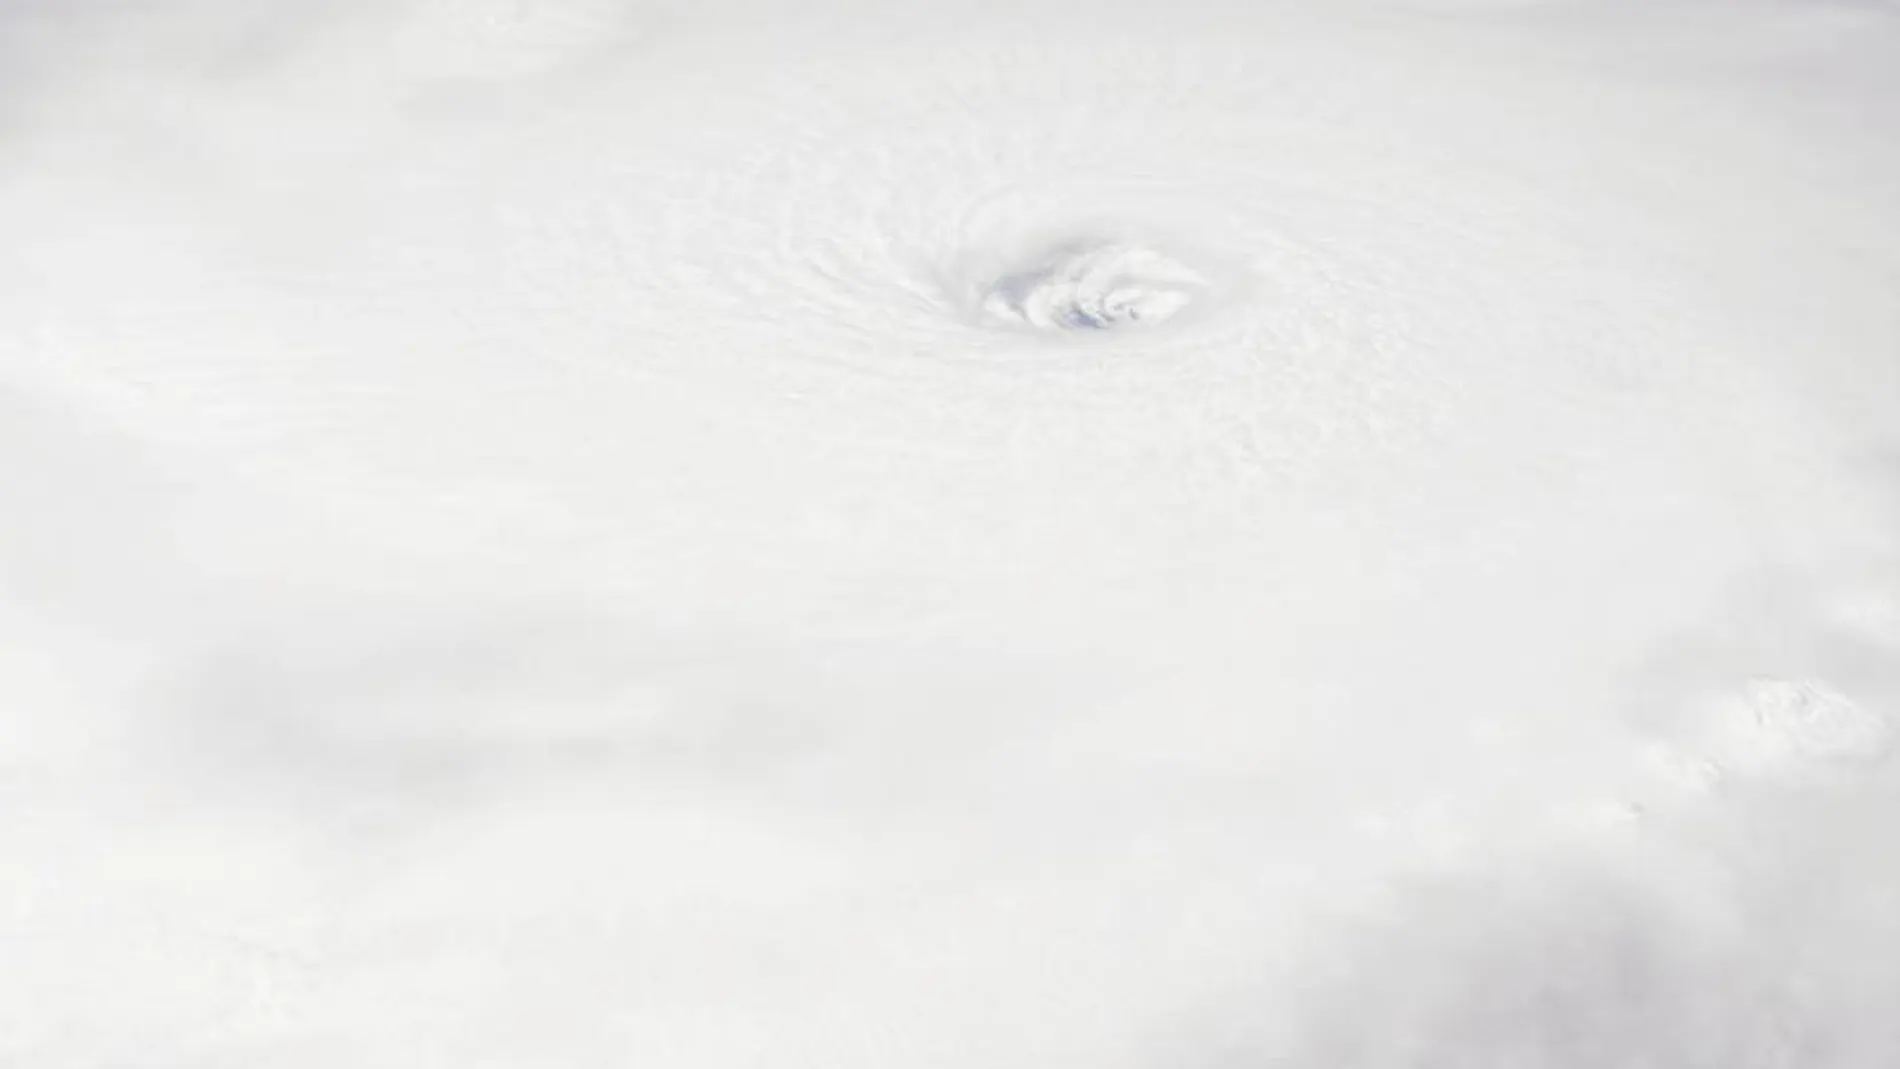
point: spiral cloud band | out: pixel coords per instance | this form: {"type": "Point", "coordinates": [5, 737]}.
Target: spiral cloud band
{"type": "Point", "coordinates": [598, 532]}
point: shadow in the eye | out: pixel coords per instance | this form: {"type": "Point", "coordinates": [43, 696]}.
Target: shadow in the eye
{"type": "Point", "coordinates": [1094, 285]}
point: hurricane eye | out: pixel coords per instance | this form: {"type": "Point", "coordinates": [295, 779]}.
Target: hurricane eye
{"type": "Point", "coordinates": [1094, 286]}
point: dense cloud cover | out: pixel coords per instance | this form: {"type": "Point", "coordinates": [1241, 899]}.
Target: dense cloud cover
{"type": "Point", "coordinates": [595, 533]}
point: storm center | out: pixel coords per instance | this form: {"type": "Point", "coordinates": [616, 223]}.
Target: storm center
{"type": "Point", "coordinates": [1094, 286]}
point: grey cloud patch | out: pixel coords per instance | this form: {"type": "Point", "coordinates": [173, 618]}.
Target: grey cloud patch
{"type": "Point", "coordinates": [1725, 939]}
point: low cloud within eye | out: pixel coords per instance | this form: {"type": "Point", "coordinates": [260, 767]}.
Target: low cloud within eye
{"type": "Point", "coordinates": [1087, 286]}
